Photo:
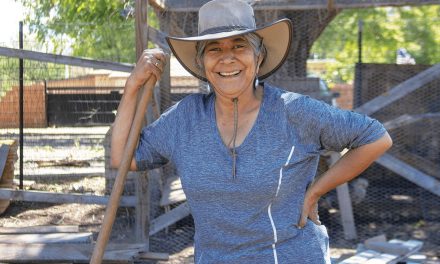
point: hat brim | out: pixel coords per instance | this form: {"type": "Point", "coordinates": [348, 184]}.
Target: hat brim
{"type": "Point", "coordinates": [277, 38]}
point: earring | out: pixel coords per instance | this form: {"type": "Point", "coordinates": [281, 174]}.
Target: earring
{"type": "Point", "coordinates": [256, 83]}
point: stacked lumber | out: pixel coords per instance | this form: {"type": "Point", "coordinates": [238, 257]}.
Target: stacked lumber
{"type": "Point", "coordinates": [8, 156]}
{"type": "Point", "coordinates": [378, 250]}
{"type": "Point", "coordinates": [58, 244]}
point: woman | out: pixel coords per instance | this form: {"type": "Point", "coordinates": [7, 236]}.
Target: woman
{"type": "Point", "coordinates": [247, 152]}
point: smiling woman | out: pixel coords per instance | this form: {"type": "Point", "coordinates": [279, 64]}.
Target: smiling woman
{"type": "Point", "coordinates": [247, 153]}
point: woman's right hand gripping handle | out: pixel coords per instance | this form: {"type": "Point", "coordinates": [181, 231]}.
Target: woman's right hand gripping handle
{"type": "Point", "coordinates": [151, 63]}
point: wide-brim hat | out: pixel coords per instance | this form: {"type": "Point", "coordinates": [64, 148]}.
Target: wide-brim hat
{"type": "Point", "coordinates": [220, 19]}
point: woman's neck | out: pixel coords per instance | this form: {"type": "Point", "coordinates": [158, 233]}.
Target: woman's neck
{"type": "Point", "coordinates": [247, 102]}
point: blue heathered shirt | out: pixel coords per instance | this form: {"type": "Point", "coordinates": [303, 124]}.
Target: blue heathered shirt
{"type": "Point", "coordinates": [251, 219]}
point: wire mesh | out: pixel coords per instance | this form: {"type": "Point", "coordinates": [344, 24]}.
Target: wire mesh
{"type": "Point", "coordinates": [383, 201]}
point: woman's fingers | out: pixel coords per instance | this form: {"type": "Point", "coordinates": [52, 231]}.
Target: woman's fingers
{"type": "Point", "coordinates": [310, 210]}
{"type": "Point", "coordinates": [151, 62]}
{"type": "Point", "coordinates": [314, 215]}
{"type": "Point", "coordinates": [302, 220]}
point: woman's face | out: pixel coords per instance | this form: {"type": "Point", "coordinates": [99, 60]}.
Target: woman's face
{"type": "Point", "coordinates": [230, 65]}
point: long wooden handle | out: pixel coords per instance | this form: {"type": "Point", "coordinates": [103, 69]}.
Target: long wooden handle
{"type": "Point", "coordinates": [118, 187]}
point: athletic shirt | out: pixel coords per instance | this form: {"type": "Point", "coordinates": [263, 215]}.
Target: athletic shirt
{"type": "Point", "coordinates": [252, 218]}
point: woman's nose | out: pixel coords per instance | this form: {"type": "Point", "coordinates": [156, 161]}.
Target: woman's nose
{"type": "Point", "coordinates": [228, 56]}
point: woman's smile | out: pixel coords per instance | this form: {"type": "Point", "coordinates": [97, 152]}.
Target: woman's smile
{"type": "Point", "coordinates": [229, 74]}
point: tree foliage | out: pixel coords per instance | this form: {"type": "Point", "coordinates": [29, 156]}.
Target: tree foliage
{"type": "Point", "coordinates": [385, 30]}
{"type": "Point", "coordinates": [102, 29]}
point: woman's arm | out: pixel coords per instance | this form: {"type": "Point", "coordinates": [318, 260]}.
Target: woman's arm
{"type": "Point", "coordinates": [150, 64]}
{"type": "Point", "coordinates": [345, 169]}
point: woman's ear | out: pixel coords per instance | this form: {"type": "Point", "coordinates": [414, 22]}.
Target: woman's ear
{"type": "Point", "coordinates": [198, 63]}
{"type": "Point", "coordinates": [260, 60]}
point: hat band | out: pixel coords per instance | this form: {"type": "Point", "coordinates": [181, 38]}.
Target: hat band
{"type": "Point", "coordinates": [223, 29]}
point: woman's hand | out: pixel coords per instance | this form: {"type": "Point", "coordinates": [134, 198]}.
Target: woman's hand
{"type": "Point", "coordinates": [150, 63]}
{"type": "Point", "coordinates": [310, 209]}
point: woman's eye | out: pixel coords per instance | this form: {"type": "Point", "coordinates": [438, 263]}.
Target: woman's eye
{"type": "Point", "coordinates": [239, 46]}
{"type": "Point", "coordinates": [214, 49]}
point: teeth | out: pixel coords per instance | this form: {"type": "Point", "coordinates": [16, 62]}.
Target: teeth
{"type": "Point", "coordinates": [229, 73]}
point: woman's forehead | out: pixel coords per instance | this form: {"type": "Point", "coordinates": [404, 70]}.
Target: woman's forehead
{"type": "Point", "coordinates": [227, 40]}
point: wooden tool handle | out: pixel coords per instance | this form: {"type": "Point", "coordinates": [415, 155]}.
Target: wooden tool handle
{"type": "Point", "coordinates": [118, 187]}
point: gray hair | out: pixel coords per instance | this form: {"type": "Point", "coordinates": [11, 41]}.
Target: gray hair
{"type": "Point", "coordinates": [254, 40]}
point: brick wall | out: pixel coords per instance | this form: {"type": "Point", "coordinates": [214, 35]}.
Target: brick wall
{"type": "Point", "coordinates": [34, 107]}
{"type": "Point", "coordinates": [345, 100]}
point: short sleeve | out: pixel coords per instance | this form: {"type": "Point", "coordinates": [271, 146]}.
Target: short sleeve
{"type": "Point", "coordinates": [335, 128]}
{"type": "Point", "coordinates": [157, 141]}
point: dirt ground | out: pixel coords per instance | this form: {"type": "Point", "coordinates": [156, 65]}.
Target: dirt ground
{"type": "Point", "coordinates": [59, 145]}
{"type": "Point", "coordinates": [89, 218]}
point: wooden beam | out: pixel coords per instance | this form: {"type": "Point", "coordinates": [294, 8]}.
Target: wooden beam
{"type": "Point", "coordinates": [158, 38]}
{"type": "Point", "coordinates": [330, 5]}
{"type": "Point", "coordinates": [142, 222]}
{"type": "Point", "coordinates": [141, 25]}
{"type": "Point", "coordinates": [172, 192]}
{"type": "Point", "coordinates": [344, 202]}
{"type": "Point", "coordinates": [70, 253]}
{"type": "Point", "coordinates": [406, 119]}
{"type": "Point", "coordinates": [194, 5]}
{"type": "Point", "coordinates": [67, 60]}
{"type": "Point", "coordinates": [59, 198]}
{"type": "Point", "coordinates": [142, 209]}
{"type": "Point", "coordinates": [39, 229]}
{"type": "Point", "coordinates": [169, 218]}
{"type": "Point", "coordinates": [52, 238]}
{"type": "Point", "coordinates": [154, 256]}
{"type": "Point", "coordinates": [410, 173]}
{"type": "Point", "coordinates": [400, 90]}
{"type": "Point", "coordinates": [429, 167]}
{"type": "Point", "coordinates": [4, 152]}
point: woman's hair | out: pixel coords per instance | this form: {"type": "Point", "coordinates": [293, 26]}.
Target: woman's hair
{"type": "Point", "coordinates": [254, 40]}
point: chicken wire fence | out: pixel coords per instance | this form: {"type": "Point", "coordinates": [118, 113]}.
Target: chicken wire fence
{"type": "Point", "coordinates": [71, 134]}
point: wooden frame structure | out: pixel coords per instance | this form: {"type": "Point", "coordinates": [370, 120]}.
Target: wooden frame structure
{"type": "Point", "coordinates": [194, 5]}
{"type": "Point", "coordinates": [140, 202]}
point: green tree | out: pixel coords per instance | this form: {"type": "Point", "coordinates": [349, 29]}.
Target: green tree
{"type": "Point", "coordinates": [385, 30]}
{"type": "Point", "coordinates": [101, 29]}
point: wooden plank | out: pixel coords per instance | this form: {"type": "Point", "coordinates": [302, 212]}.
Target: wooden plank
{"type": "Point", "coordinates": [26, 183]}
{"type": "Point", "coordinates": [39, 229]}
{"type": "Point", "coordinates": [50, 197]}
{"type": "Point", "coordinates": [406, 119]}
{"type": "Point", "coordinates": [194, 5]}
{"type": "Point", "coordinates": [429, 167]}
{"type": "Point", "coordinates": [52, 238]}
{"type": "Point", "coordinates": [158, 38]}
{"type": "Point", "coordinates": [377, 257]}
{"type": "Point", "coordinates": [4, 151]}
{"type": "Point", "coordinates": [72, 253]}
{"type": "Point", "coordinates": [410, 173]}
{"type": "Point", "coordinates": [142, 191]}
{"type": "Point", "coordinates": [172, 192]}
{"type": "Point", "coordinates": [412, 245]}
{"type": "Point", "coordinates": [154, 256]}
{"type": "Point", "coordinates": [169, 218]}
{"type": "Point", "coordinates": [361, 257]}
{"type": "Point", "coordinates": [400, 90]}
{"type": "Point", "coordinates": [67, 60]}
{"type": "Point", "coordinates": [142, 224]}
{"type": "Point", "coordinates": [345, 205]}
